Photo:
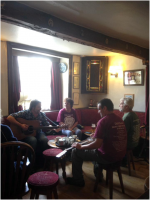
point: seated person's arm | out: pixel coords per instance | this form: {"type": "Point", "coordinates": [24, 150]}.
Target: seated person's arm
{"type": "Point", "coordinates": [63, 125]}
{"type": "Point", "coordinates": [12, 120]}
{"type": "Point", "coordinates": [94, 145]}
{"type": "Point", "coordinates": [127, 124]}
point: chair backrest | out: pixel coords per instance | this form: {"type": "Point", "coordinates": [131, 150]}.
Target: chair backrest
{"type": "Point", "coordinates": [17, 160]}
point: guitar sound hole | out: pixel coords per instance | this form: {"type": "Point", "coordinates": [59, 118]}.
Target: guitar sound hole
{"type": "Point", "coordinates": [29, 131]}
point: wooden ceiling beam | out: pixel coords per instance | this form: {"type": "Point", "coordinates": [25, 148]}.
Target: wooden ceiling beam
{"type": "Point", "coordinates": [27, 17]}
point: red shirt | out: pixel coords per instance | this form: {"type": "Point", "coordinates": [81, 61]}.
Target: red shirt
{"type": "Point", "coordinates": [68, 118]}
{"type": "Point", "coordinates": [111, 129]}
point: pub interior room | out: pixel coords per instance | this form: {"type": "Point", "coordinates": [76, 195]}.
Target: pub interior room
{"type": "Point", "coordinates": [67, 68]}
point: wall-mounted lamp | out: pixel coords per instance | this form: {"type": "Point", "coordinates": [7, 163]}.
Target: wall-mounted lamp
{"type": "Point", "coordinates": [113, 71]}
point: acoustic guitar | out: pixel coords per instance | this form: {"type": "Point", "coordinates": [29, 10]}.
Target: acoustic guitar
{"type": "Point", "coordinates": [34, 125]}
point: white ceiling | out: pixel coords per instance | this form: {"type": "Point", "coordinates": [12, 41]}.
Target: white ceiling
{"type": "Point", "coordinates": [124, 20]}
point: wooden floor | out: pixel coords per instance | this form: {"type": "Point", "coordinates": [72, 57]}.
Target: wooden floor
{"type": "Point", "coordinates": [134, 184]}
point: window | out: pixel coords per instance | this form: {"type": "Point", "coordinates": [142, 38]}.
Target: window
{"type": "Point", "coordinates": [14, 50]}
{"type": "Point", "coordinates": [35, 80]}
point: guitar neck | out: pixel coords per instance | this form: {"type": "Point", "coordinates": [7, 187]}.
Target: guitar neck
{"type": "Point", "coordinates": [83, 142]}
{"type": "Point", "coordinates": [65, 151]}
{"type": "Point", "coordinates": [46, 127]}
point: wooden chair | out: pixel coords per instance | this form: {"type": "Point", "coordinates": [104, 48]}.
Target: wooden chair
{"type": "Point", "coordinates": [45, 183]}
{"type": "Point", "coordinates": [109, 176]}
{"type": "Point", "coordinates": [130, 159]}
{"type": "Point", "coordinates": [50, 156]}
{"type": "Point", "coordinates": [15, 169]}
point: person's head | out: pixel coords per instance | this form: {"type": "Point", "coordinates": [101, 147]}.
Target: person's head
{"type": "Point", "coordinates": [68, 103]}
{"type": "Point", "coordinates": [105, 106]}
{"type": "Point", "coordinates": [126, 105]}
{"type": "Point", "coordinates": [35, 106]}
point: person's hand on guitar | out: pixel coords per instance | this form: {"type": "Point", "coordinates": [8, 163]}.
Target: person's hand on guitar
{"type": "Point", "coordinates": [24, 127]}
{"type": "Point", "coordinates": [76, 145]}
{"type": "Point", "coordinates": [92, 135]}
{"type": "Point", "coordinates": [63, 126]}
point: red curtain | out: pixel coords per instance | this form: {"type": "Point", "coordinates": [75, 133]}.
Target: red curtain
{"type": "Point", "coordinates": [147, 97]}
{"type": "Point", "coordinates": [56, 88]}
{"type": "Point", "coordinates": [15, 86]}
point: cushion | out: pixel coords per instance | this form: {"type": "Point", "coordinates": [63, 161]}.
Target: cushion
{"type": "Point", "coordinates": [52, 152]}
{"type": "Point", "coordinates": [78, 113]}
{"type": "Point", "coordinates": [44, 178]}
{"type": "Point", "coordinates": [52, 115]}
{"type": "Point", "coordinates": [89, 116]}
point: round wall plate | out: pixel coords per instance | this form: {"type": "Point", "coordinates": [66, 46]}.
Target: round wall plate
{"type": "Point", "coordinates": [62, 67]}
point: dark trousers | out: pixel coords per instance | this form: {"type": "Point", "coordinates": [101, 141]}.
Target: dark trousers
{"type": "Point", "coordinates": [39, 144]}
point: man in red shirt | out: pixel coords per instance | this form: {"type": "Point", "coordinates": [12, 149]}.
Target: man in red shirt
{"type": "Point", "coordinates": [109, 145]}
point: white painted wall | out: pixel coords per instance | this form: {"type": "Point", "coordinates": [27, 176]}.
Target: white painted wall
{"type": "Point", "coordinates": [4, 79]}
{"type": "Point", "coordinates": [116, 90]}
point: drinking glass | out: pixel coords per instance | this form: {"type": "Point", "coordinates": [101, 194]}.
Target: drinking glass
{"type": "Point", "coordinates": [93, 126]}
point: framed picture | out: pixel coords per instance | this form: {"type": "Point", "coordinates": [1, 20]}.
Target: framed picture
{"type": "Point", "coordinates": [76, 98]}
{"type": "Point", "coordinates": [76, 82]}
{"type": "Point", "coordinates": [133, 77]}
{"type": "Point", "coordinates": [76, 68]}
{"type": "Point", "coordinates": [129, 96]}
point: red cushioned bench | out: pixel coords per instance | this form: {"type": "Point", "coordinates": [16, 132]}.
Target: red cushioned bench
{"type": "Point", "coordinates": [85, 116]}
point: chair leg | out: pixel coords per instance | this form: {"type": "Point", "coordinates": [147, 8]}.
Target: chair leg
{"type": "Point", "coordinates": [132, 160]}
{"type": "Point", "coordinates": [110, 178]}
{"type": "Point", "coordinates": [55, 193]}
{"type": "Point", "coordinates": [49, 194]}
{"type": "Point", "coordinates": [120, 178]}
{"type": "Point", "coordinates": [56, 164]}
{"type": "Point", "coordinates": [36, 196]}
{"type": "Point", "coordinates": [106, 177]}
{"type": "Point", "coordinates": [32, 194]}
{"type": "Point", "coordinates": [45, 163]}
{"type": "Point", "coordinates": [128, 160]}
{"type": "Point", "coordinates": [97, 180]}
{"type": "Point", "coordinates": [51, 164]}
{"type": "Point", "coordinates": [63, 165]}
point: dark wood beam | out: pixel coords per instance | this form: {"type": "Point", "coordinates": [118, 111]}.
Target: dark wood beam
{"type": "Point", "coordinates": [24, 16]}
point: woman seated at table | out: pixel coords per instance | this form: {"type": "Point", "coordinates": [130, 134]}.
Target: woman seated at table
{"type": "Point", "coordinates": [67, 116]}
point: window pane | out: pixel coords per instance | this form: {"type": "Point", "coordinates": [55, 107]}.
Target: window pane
{"type": "Point", "coordinates": [35, 77]}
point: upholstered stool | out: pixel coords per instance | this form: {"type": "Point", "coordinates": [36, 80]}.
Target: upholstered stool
{"type": "Point", "coordinates": [45, 183]}
{"type": "Point", "coordinates": [130, 159]}
{"type": "Point", "coordinates": [50, 155]}
{"type": "Point", "coordinates": [109, 176]}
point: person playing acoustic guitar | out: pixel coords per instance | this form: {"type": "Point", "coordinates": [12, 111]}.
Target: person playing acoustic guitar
{"type": "Point", "coordinates": [39, 141]}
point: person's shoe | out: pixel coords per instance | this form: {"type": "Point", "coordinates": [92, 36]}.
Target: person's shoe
{"type": "Point", "coordinates": [72, 181]}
